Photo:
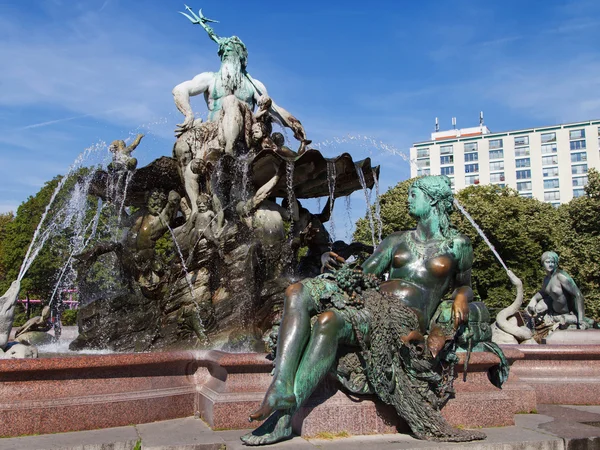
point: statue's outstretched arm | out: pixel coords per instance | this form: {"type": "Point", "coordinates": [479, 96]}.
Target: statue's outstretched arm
{"type": "Point", "coordinates": [171, 207]}
{"type": "Point", "coordinates": [280, 114]}
{"type": "Point", "coordinates": [182, 92]}
{"type": "Point", "coordinates": [569, 285]}
{"type": "Point", "coordinates": [135, 143]}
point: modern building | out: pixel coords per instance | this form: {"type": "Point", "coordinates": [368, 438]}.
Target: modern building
{"type": "Point", "coordinates": [548, 163]}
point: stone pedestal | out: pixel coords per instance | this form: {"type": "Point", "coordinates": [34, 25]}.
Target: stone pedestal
{"type": "Point", "coordinates": [561, 374]}
{"type": "Point", "coordinates": [573, 337]}
{"type": "Point", "coordinates": [233, 388]}
{"type": "Point", "coordinates": [51, 395]}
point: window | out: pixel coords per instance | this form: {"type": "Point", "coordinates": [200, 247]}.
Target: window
{"type": "Point", "coordinates": [524, 186]}
{"type": "Point", "coordinates": [471, 157]}
{"type": "Point", "coordinates": [497, 143]}
{"type": "Point", "coordinates": [496, 177]}
{"type": "Point", "coordinates": [471, 179]}
{"type": "Point", "coordinates": [522, 151]}
{"type": "Point", "coordinates": [548, 137]}
{"type": "Point", "coordinates": [447, 159]}
{"type": "Point", "coordinates": [523, 174]}
{"type": "Point", "coordinates": [448, 170]}
{"type": "Point", "coordinates": [576, 134]}
{"type": "Point", "coordinates": [471, 147]}
{"type": "Point", "coordinates": [551, 184]}
{"type": "Point", "coordinates": [422, 152]}
{"type": "Point", "coordinates": [578, 157]}
{"type": "Point", "coordinates": [579, 169]}
{"type": "Point", "coordinates": [496, 154]}
{"type": "Point", "coordinates": [423, 172]}
{"type": "Point", "coordinates": [548, 149]}
{"type": "Point", "coordinates": [577, 145]}
{"type": "Point", "coordinates": [525, 162]}
{"type": "Point", "coordinates": [578, 192]}
{"type": "Point", "coordinates": [526, 195]}
{"type": "Point", "coordinates": [498, 165]}
{"type": "Point", "coordinates": [549, 196]}
{"type": "Point", "coordinates": [580, 181]}
{"type": "Point", "coordinates": [521, 140]}
{"type": "Point", "coordinates": [452, 181]}
{"type": "Point", "coordinates": [446, 150]}
{"type": "Point", "coordinates": [423, 162]}
{"type": "Point", "coordinates": [549, 160]}
{"type": "Point", "coordinates": [550, 172]}
{"type": "Point", "coordinates": [469, 168]}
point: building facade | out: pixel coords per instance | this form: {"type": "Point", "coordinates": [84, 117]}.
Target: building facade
{"type": "Point", "coordinates": [548, 163]}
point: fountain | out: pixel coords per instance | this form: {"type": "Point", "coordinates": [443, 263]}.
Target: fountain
{"type": "Point", "coordinates": [226, 205]}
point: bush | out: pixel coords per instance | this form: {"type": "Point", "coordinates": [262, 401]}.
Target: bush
{"type": "Point", "coordinates": [69, 317]}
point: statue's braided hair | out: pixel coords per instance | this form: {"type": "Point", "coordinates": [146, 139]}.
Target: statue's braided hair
{"type": "Point", "coordinates": [552, 255]}
{"type": "Point", "coordinates": [438, 188]}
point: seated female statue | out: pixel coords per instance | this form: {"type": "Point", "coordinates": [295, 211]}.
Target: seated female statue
{"type": "Point", "coordinates": [423, 264]}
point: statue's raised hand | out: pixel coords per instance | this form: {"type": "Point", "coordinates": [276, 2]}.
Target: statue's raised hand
{"type": "Point", "coordinates": [331, 261]}
{"type": "Point", "coordinates": [185, 125]}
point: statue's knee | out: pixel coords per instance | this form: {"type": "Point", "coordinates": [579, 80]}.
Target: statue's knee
{"type": "Point", "coordinates": [327, 320]}
{"type": "Point", "coordinates": [294, 295]}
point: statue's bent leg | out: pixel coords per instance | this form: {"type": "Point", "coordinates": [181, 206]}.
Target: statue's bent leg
{"type": "Point", "coordinates": [232, 122]}
{"type": "Point", "coordinates": [298, 307]}
{"type": "Point", "coordinates": [320, 354]}
{"type": "Point", "coordinates": [318, 358]}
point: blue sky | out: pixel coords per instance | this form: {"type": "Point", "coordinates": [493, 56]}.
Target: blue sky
{"type": "Point", "coordinates": [75, 73]}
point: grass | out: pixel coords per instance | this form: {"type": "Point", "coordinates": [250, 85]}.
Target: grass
{"type": "Point", "coordinates": [330, 436]}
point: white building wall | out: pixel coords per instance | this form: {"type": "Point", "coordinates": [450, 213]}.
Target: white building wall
{"type": "Point", "coordinates": [540, 190]}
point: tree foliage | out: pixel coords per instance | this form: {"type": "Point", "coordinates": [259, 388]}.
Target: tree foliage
{"type": "Point", "coordinates": [520, 229]}
{"type": "Point", "coordinates": [579, 249]}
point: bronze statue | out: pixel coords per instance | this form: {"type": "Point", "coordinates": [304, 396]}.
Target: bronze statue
{"type": "Point", "coordinates": [559, 303]}
{"type": "Point", "coordinates": [122, 159]}
{"type": "Point", "coordinates": [136, 251]}
{"type": "Point", "coordinates": [423, 265]}
{"type": "Point", "coordinates": [37, 323]}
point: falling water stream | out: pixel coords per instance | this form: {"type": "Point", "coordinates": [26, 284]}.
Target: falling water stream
{"type": "Point", "coordinates": [481, 233]}
{"type": "Point", "coordinates": [331, 180]}
{"type": "Point", "coordinates": [363, 183]}
{"type": "Point", "coordinates": [39, 236]}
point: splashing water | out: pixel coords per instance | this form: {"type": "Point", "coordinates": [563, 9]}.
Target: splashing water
{"type": "Point", "coordinates": [365, 142]}
{"type": "Point", "coordinates": [348, 205]}
{"type": "Point", "coordinates": [481, 233]}
{"type": "Point", "coordinates": [331, 179]}
{"type": "Point", "coordinates": [128, 178]}
{"type": "Point", "coordinates": [289, 182]}
{"type": "Point", "coordinates": [183, 265]}
{"type": "Point", "coordinates": [363, 183]}
{"type": "Point", "coordinates": [39, 236]}
{"type": "Point", "coordinates": [77, 247]}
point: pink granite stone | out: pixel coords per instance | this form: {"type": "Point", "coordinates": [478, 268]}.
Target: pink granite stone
{"type": "Point", "coordinates": [88, 392]}
{"type": "Point", "coordinates": [561, 374]}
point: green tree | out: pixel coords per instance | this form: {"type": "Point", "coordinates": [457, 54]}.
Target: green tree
{"type": "Point", "coordinates": [5, 220]}
{"type": "Point", "coordinates": [579, 250]}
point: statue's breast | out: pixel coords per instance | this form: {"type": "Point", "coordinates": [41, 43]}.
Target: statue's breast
{"type": "Point", "coordinates": [440, 266]}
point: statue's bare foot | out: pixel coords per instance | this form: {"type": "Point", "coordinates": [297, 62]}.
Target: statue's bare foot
{"type": "Point", "coordinates": [277, 428]}
{"type": "Point", "coordinates": [279, 396]}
